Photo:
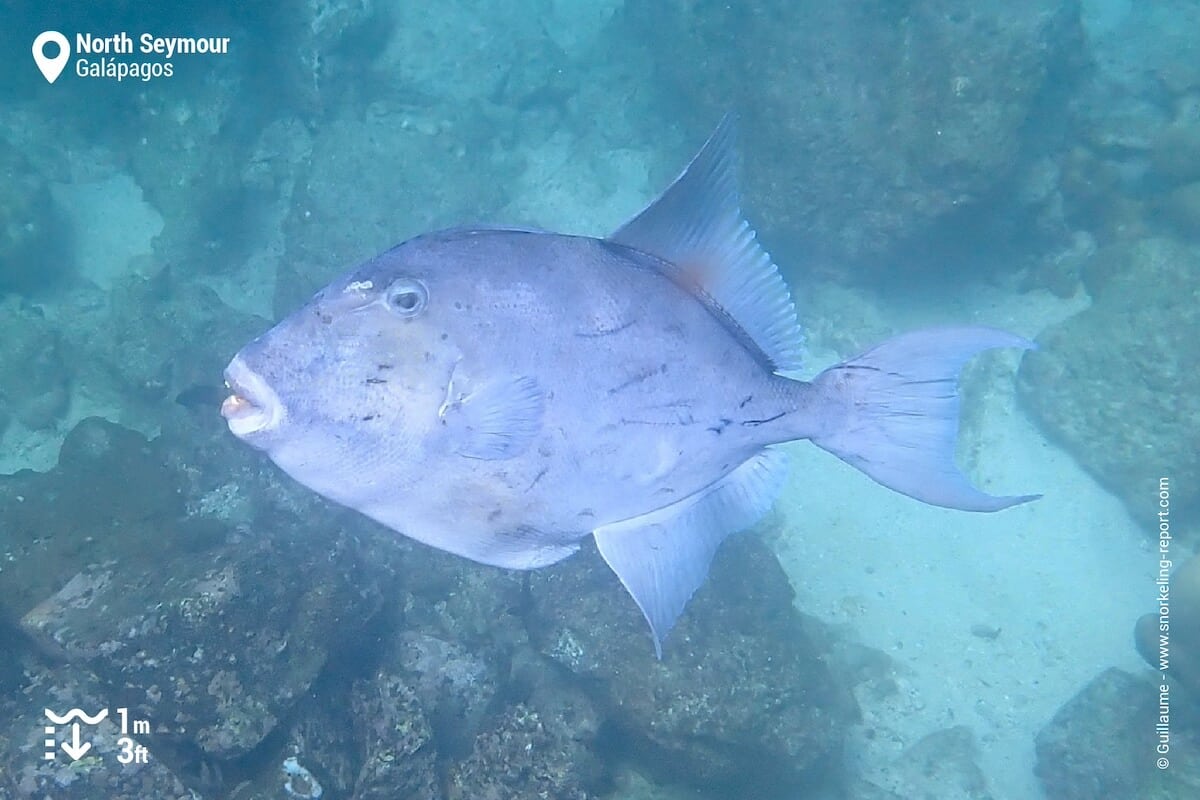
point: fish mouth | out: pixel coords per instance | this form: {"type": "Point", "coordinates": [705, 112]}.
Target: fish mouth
{"type": "Point", "coordinates": [252, 406]}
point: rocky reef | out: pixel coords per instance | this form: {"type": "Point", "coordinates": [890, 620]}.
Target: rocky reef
{"type": "Point", "coordinates": [35, 251]}
{"type": "Point", "coordinates": [745, 688]}
{"type": "Point", "coordinates": [268, 637]}
{"type": "Point", "coordinates": [875, 128]}
{"type": "Point", "coordinates": [34, 377]}
{"type": "Point", "coordinates": [1102, 743]}
{"type": "Point", "coordinates": [1116, 383]}
{"type": "Point", "coordinates": [1132, 168]}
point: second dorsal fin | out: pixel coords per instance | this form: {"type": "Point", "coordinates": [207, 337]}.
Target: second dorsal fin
{"type": "Point", "coordinates": [696, 226]}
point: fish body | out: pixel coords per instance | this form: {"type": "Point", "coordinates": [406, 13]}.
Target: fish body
{"type": "Point", "coordinates": [504, 394]}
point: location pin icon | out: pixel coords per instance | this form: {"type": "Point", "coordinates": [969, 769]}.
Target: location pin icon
{"type": "Point", "coordinates": [51, 67]}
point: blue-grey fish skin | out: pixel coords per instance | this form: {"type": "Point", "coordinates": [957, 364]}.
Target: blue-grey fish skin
{"type": "Point", "coordinates": [504, 394]}
{"type": "Point", "coordinates": [648, 397]}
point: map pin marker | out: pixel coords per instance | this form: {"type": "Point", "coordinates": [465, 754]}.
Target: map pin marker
{"type": "Point", "coordinates": [51, 67]}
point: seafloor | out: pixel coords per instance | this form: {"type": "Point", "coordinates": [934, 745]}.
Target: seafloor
{"type": "Point", "coordinates": [1032, 165]}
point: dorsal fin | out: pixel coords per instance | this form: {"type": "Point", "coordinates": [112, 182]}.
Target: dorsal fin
{"type": "Point", "coordinates": [696, 227]}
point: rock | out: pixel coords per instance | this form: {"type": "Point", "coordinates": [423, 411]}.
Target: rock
{"type": "Point", "coordinates": [108, 481]}
{"type": "Point", "coordinates": [1175, 151]}
{"type": "Point", "coordinates": [1115, 382]}
{"type": "Point", "coordinates": [214, 650]}
{"type": "Point", "coordinates": [26, 773]}
{"type": "Point", "coordinates": [524, 755]}
{"type": "Point", "coordinates": [1102, 744]}
{"type": "Point", "coordinates": [867, 124]}
{"type": "Point", "coordinates": [429, 716]}
{"type": "Point", "coordinates": [399, 758]}
{"type": "Point", "coordinates": [739, 667]}
{"type": "Point", "coordinates": [942, 764]}
{"type": "Point", "coordinates": [843, 320]}
{"type": "Point", "coordinates": [203, 134]}
{"type": "Point", "coordinates": [1060, 272]}
{"type": "Point", "coordinates": [252, 648]}
{"type": "Point", "coordinates": [483, 683]}
{"type": "Point", "coordinates": [34, 245]}
{"type": "Point", "coordinates": [323, 738]}
{"type": "Point", "coordinates": [361, 733]}
{"type": "Point", "coordinates": [455, 685]}
{"type": "Point", "coordinates": [1136, 122]}
{"type": "Point", "coordinates": [33, 376]}
{"type": "Point", "coordinates": [1181, 207]}
{"type": "Point", "coordinates": [148, 343]}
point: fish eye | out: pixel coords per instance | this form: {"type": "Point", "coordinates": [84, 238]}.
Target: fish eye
{"type": "Point", "coordinates": [407, 297]}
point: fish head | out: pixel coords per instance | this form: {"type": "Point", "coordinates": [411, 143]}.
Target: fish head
{"type": "Point", "coordinates": [361, 369]}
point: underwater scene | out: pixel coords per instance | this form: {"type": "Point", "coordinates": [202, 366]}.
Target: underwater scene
{"type": "Point", "coordinates": [600, 400]}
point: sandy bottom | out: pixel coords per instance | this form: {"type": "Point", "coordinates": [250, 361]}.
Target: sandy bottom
{"type": "Point", "coordinates": [1062, 580]}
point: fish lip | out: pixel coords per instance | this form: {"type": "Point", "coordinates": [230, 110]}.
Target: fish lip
{"type": "Point", "coordinates": [252, 407]}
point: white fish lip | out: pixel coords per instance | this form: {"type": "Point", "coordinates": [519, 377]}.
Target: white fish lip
{"type": "Point", "coordinates": [253, 406]}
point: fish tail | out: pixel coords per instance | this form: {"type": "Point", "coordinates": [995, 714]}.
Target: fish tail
{"type": "Point", "coordinates": [892, 412]}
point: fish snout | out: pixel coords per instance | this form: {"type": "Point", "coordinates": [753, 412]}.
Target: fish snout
{"type": "Point", "coordinates": [252, 405]}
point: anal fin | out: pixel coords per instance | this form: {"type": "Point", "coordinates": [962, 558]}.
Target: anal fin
{"type": "Point", "coordinates": [663, 557]}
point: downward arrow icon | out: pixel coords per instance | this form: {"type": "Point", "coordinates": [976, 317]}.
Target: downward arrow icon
{"type": "Point", "coordinates": [73, 748]}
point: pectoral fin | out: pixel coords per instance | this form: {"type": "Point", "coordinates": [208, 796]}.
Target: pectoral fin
{"type": "Point", "coordinates": [497, 419]}
{"type": "Point", "coordinates": [663, 557]}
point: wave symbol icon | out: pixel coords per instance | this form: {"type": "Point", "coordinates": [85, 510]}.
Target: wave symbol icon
{"type": "Point", "coordinates": [76, 713]}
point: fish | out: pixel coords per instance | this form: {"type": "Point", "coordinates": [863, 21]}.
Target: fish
{"type": "Point", "coordinates": [205, 396]}
{"type": "Point", "coordinates": [505, 394]}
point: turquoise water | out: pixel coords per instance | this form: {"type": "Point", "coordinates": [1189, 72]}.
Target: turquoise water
{"type": "Point", "coordinates": [1031, 166]}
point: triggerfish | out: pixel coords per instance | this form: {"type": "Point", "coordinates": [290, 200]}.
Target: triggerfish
{"type": "Point", "coordinates": [504, 393]}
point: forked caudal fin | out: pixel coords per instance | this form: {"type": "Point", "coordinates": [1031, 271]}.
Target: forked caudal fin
{"type": "Point", "coordinates": [893, 413]}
